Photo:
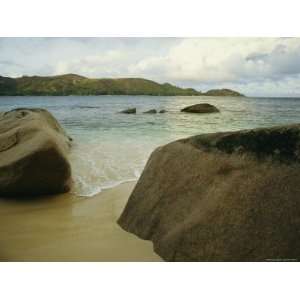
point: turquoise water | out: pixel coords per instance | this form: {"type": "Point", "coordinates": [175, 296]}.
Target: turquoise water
{"type": "Point", "coordinates": [110, 148]}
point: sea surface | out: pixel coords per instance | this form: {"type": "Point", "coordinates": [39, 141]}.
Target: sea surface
{"type": "Point", "coordinates": [110, 148]}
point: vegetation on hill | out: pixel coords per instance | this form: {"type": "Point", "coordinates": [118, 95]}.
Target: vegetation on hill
{"type": "Point", "coordinates": [222, 92]}
{"type": "Point", "coordinates": [72, 84]}
{"type": "Point", "coordinates": [7, 86]}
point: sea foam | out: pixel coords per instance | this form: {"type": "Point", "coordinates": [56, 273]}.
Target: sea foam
{"type": "Point", "coordinates": [96, 166]}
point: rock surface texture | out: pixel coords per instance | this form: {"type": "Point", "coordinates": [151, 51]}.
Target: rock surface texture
{"type": "Point", "coordinates": [202, 108]}
{"type": "Point", "coordinates": [232, 196]}
{"type": "Point", "coordinates": [33, 154]}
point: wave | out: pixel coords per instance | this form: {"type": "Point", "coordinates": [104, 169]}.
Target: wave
{"type": "Point", "coordinates": [97, 167]}
{"type": "Point", "coordinates": [98, 189]}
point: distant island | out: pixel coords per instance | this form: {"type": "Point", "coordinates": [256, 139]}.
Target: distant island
{"type": "Point", "coordinates": [72, 84]}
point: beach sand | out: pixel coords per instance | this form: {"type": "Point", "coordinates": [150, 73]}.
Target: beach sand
{"type": "Point", "coordinates": [70, 228]}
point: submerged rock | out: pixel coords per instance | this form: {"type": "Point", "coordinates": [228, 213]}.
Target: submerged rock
{"type": "Point", "coordinates": [129, 111]}
{"type": "Point", "coordinates": [230, 196]}
{"type": "Point", "coordinates": [33, 154]}
{"type": "Point", "coordinates": [151, 111]}
{"type": "Point", "coordinates": [162, 111]}
{"type": "Point", "coordinates": [200, 108]}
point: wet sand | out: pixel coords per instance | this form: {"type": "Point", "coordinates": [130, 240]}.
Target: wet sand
{"type": "Point", "coordinates": [70, 228]}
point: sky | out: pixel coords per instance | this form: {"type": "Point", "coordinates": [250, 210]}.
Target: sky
{"type": "Point", "coordinates": [252, 66]}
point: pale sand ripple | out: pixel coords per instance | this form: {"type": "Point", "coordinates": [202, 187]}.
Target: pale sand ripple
{"type": "Point", "coordinates": [70, 228]}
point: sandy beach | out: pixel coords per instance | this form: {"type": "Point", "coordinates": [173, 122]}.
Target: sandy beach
{"type": "Point", "coordinates": [70, 228]}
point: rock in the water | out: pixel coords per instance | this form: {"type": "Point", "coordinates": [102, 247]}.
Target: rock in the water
{"type": "Point", "coordinates": [151, 111]}
{"type": "Point", "coordinates": [221, 197]}
{"type": "Point", "coordinates": [162, 111]}
{"type": "Point", "coordinates": [201, 108]}
{"type": "Point", "coordinates": [129, 111]}
{"type": "Point", "coordinates": [33, 154]}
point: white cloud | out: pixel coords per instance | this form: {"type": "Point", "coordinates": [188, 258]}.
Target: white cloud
{"type": "Point", "coordinates": [261, 66]}
{"type": "Point", "coordinates": [226, 60]}
{"type": "Point", "coordinates": [109, 63]}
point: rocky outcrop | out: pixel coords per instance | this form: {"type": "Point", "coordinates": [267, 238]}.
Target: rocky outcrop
{"type": "Point", "coordinates": [33, 154]}
{"type": "Point", "coordinates": [230, 196]}
{"type": "Point", "coordinates": [128, 111]}
{"type": "Point", "coordinates": [162, 111]}
{"type": "Point", "coordinates": [223, 92]}
{"type": "Point", "coordinates": [151, 111]}
{"type": "Point", "coordinates": [200, 108]}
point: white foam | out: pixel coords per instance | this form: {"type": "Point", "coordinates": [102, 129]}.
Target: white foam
{"type": "Point", "coordinates": [100, 166]}
{"type": "Point", "coordinates": [137, 173]}
{"type": "Point", "coordinates": [92, 191]}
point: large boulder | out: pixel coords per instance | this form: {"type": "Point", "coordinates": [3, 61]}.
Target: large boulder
{"type": "Point", "coordinates": [33, 154]}
{"type": "Point", "coordinates": [231, 196]}
{"type": "Point", "coordinates": [202, 108]}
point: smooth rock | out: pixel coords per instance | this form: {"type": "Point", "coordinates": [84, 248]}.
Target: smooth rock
{"type": "Point", "coordinates": [129, 111]}
{"type": "Point", "coordinates": [230, 196]}
{"type": "Point", "coordinates": [151, 111]}
{"type": "Point", "coordinates": [201, 108]}
{"type": "Point", "coordinates": [33, 154]}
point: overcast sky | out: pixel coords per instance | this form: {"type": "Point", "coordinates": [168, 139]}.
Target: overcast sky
{"type": "Point", "coordinates": [253, 66]}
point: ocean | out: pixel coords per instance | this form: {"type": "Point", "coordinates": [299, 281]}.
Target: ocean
{"type": "Point", "coordinates": [111, 148]}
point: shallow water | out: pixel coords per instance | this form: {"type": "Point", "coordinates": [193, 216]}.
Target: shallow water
{"type": "Point", "coordinates": [110, 148]}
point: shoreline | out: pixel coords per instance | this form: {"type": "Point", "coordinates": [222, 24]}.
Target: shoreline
{"type": "Point", "coordinates": [67, 227]}
{"type": "Point", "coordinates": [105, 188]}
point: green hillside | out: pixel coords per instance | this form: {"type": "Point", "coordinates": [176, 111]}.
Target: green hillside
{"type": "Point", "coordinates": [7, 86]}
{"type": "Point", "coordinates": [72, 84]}
{"type": "Point", "coordinates": [223, 92]}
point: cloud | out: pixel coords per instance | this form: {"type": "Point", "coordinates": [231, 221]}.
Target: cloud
{"type": "Point", "coordinates": [108, 64]}
{"type": "Point", "coordinates": [7, 66]}
{"type": "Point", "coordinates": [263, 66]}
{"type": "Point", "coordinates": [226, 60]}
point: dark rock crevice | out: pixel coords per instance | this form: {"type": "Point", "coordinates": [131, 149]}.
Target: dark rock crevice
{"type": "Point", "coordinates": [278, 143]}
